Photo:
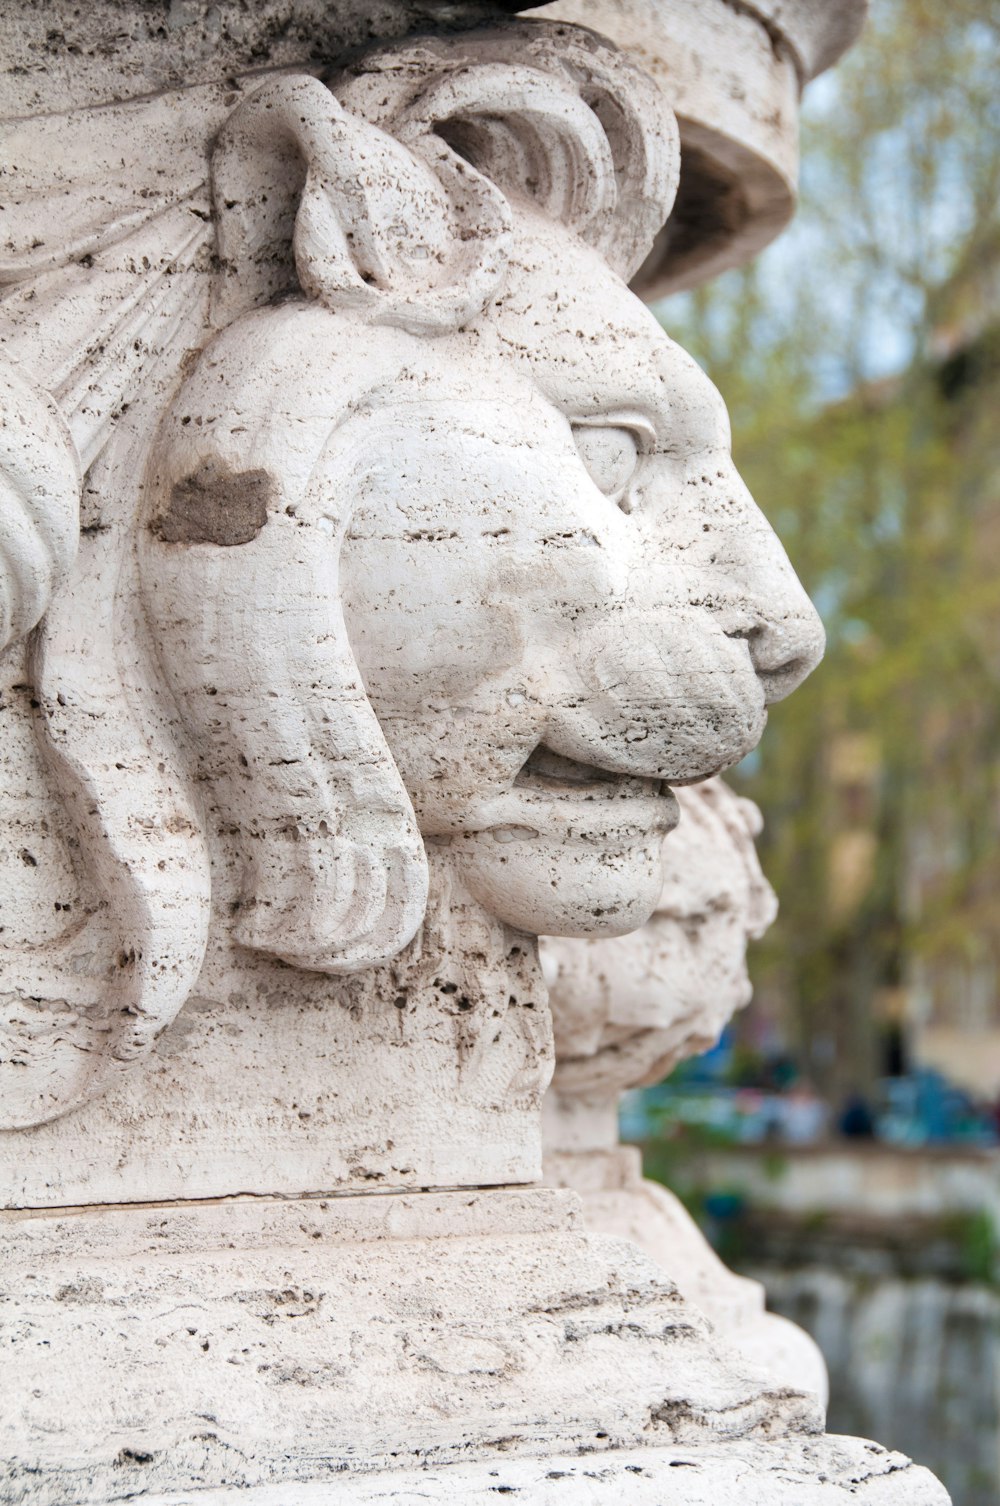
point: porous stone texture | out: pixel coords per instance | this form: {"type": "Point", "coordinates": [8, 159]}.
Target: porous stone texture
{"type": "Point", "coordinates": [371, 565]}
{"type": "Point", "coordinates": [62, 56]}
{"type": "Point", "coordinates": [618, 1200]}
{"type": "Point", "coordinates": [821, 1472]}
{"type": "Point", "coordinates": [626, 1011]}
{"type": "Point", "coordinates": [271, 1328]}
{"type": "Point", "coordinates": [425, 1072]}
{"type": "Point", "coordinates": [239, 770]}
{"type": "Point", "coordinates": [471, 1342]}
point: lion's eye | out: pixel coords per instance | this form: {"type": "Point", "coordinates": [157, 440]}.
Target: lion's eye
{"type": "Point", "coordinates": [610, 454]}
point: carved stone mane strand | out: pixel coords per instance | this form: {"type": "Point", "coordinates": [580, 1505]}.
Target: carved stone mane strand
{"type": "Point", "coordinates": [509, 101]}
{"type": "Point", "coordinates": [39, 504]}
{"type": "Point", "coordinates": [392, 204]}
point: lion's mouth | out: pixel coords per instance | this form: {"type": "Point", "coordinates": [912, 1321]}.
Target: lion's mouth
{"type": "Point", "coordinates": [564, 801]}
{"type": "Point", "coordinates": [551, 774]}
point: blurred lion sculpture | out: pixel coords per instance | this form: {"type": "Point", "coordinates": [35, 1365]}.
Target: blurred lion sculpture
{"type": "Point", "coordinates": [626, 1011]}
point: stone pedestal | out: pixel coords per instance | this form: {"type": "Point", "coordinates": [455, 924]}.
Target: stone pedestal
{"type": "Point", "coordinates": [619, 1201]}
{"type": "Point", "coordinates": [295, 1083]}
{"type": "Point", "coordinates": [363, 1348]}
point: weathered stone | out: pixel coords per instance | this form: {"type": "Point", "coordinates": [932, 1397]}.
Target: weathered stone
{"type": "Point", "coordinates": [733, 73]}
{"type": "Point", "coordinates": [408, 570]}
{"type": "Point", "coordinates": [329, 1349]}
{"type": "Point", "coordinates": [610, 609]}
{"type": "Point", "coordinates": [215, 506]}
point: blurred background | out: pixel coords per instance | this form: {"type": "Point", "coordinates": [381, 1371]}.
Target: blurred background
{"type": "Point", "coordinates": [843, 1141]}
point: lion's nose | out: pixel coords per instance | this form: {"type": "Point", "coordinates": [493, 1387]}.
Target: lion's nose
{"type": "Point", "coordinates": [782, 628]}
{"type": "Point", "coordinates": [785, 648]}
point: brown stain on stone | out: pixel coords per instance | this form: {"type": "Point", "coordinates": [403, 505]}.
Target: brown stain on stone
{"type": "Point", "coordinates": [216, 506]}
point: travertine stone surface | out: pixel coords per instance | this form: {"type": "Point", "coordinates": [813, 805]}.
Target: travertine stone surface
{"type": "Point", "coordinates": [817, 1471]}
{"type": "Point", "coordinates": [249, 1344]}
{"type": "Point", "coordinates": [371, 566]}
{"type": "Point", "coordinates": [619, 1201]}
{"type": "Point", "coordinates": [239, 768]}
{"type": "Point", "coordinates": [276, 1325]}
{"type": "Point", "coordinates": [61, 56]}
{"type": "Point", "coordinates": [626, 1011]}
{"type": "Point", "coordinates": [814, 31]}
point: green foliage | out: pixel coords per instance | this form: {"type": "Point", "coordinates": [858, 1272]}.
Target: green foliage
{"type": "Point", "coordinates": [976, 1238]}
{"type": "Point", "coordinates": [774, 1165]}
{"type": "Point", "coordinates": [861, 363]}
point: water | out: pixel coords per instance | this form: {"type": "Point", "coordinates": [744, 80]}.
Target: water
{"type": "Point", "coordinates": [914, 1363]}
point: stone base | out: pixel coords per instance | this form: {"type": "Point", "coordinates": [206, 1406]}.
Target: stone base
{"type": "Point", "coordinates": [440, 1347]}
{"type": "Point", "coordinates": [293, 1093]}
{"type": "Point", "coordinates": [618, 1200]}
{"type": "Point", "coordinates": [811, 1472]}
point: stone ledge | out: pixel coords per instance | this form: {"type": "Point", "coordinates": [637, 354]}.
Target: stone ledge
{"type": "Point", "coordinates": [211, 1361]}
{"type": "Point", "coordinates": [741, 1475]}
{"type": "Point", "coordinates": [32, 1237]}
{"type": "Point", "coordinates": [61, 56]}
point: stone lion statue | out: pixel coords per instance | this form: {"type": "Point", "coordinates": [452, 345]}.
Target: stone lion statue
{"type": "Point", "coordinates": [404, 529]}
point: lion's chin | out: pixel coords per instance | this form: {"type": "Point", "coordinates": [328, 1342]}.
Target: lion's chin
{"type": "Point", "coordinates": [561, 889]}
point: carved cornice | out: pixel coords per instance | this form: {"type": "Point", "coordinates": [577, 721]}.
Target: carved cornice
{"type": "Point", "coordinates": [60, 55]}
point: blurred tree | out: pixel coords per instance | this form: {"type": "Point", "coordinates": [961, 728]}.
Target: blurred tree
{"type": "Point", "coordinates": [861, 361]}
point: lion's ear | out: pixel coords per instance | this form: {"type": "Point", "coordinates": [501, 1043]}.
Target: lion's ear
{"type": "Point", "coordinates": [308, 194]}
